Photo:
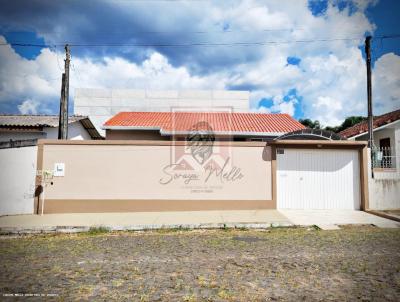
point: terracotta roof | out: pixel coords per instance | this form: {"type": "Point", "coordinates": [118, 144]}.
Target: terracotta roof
{"type": "Point", "coordinates": [223, 122]}
{"type": "Point", "coordinates": [29, 121]}
{"type": "Point", "coordinates": [379, 121]}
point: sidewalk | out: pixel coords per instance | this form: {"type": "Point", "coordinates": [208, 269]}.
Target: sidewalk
{"type": "Point", "coordinates": [143, 220]}
{"type": "Point", "coordinates": [325, 219]}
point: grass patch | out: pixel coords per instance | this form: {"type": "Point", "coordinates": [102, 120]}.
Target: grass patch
{"type": "Point", "coordinates": [173, 230]}
{"type": "Point", "coordinates": [98, 230]}
{"type": "Point", "coordinates": [315, 227]}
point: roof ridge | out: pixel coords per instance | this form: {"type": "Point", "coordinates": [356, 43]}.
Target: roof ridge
{"type": "Point", "coordinates": [39, 115]}
{"type": "Point", "coordinates": [203, 112]}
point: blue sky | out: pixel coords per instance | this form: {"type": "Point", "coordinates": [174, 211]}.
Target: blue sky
{"type": "Point", "coordinates": [304, 58]}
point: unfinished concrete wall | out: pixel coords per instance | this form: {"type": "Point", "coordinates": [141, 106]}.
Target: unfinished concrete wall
{"type": "Point", "coordinates": [102, 104]}
{"type": "Point", "coordinates": [118, 176]}
{"type": "Point", "coordinates": [17, 180]}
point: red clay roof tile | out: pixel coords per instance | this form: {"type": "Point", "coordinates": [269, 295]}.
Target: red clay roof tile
{"type": "Point", "coordinates": [219, 121]}
{"type": "Point", "coordinates": [378, 122]}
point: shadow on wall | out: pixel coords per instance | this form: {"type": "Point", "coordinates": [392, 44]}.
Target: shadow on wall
{"type": "Point", "coordinates": [267, 153]}
{"type": "Point", "coordinates": [317, 160]}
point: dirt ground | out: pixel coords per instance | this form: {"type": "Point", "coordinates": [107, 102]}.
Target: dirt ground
{"type": "Point", "coordinates": [293, 264]}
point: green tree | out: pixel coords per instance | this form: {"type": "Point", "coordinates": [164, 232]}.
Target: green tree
{"type": "Point", "coordinates": [350, 122]}
{"type": "Point", "coordinates": [310, 124]}
{"type": "Point", "coordinates": [333, 129]}
{"type": "Point", "coordinates": [347, 123]}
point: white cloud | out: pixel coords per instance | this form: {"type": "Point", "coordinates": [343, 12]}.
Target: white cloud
{"type": "Point", "coordinates": [386, 83]}
{"type": "Point", "coordinates": [28, 107]}
{"type": "Point", "coordinates": [23, 81]}
{"type": "Point", "coordinates": [153, 73]}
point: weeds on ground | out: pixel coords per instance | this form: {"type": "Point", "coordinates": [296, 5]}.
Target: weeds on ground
{"type": "Point", "coordinates": [173, 230]}
{"type": "Point", "coordinates": [98, 230]}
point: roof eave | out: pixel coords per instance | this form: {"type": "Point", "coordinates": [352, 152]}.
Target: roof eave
{"type": "Point", "coordinates": [90, 128]}
{"type": "Point", "coordinates": [227, 133]}
{"type": "Point", "coordinates": [106, 127]}
{"type": "Point", "coordinates": [169, 133]}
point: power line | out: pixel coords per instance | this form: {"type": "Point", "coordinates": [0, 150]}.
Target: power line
{"type": "Point", "coordinates": [127, 32]}
{"type": "Point", "coordinates": [394, 36]}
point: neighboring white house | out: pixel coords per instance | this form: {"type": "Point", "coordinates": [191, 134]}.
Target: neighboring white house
{"type": "Point", "coordinates": [18, 155]}
{"type": "Point", "coordinates": [386, 137]}
{"type": "Point", "coordinates": [31, 127]}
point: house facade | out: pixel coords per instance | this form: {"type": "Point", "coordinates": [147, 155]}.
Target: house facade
{"type": "Point", "coordinates": [386, 138]}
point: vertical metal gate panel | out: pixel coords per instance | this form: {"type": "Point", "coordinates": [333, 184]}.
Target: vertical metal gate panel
{"type": "Point", "coordinates": [318, 179]}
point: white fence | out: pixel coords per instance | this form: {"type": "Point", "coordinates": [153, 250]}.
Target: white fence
{"type": "Point", "coordinates": [17, 180]}
{"type": "Point", "coordinates": [385, 158]}
{"type": "Point", "coordinates": [384, 186]}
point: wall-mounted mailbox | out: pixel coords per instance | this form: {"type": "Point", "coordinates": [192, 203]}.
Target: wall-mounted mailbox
{"type": "Point", "coordinates": [59, 169]}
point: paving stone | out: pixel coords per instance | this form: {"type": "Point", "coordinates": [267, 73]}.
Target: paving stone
{"type": "Point", "coordinates": [291, 264]}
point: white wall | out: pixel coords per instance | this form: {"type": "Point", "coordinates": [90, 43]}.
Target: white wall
{"type": "Point", "coordinates": [6, 136]}
{"type": "Point", "coordinates": [387, 133]}
{"type": "Point", "coordinates": [102, 104]}
{"type": "Point", "coordinates": [75, 132]}
{"type": "Point", "coordinates": [384, 194]}
{"type": "Point", "coordinates": [384, 189]}
{"type": "Point", "coordinates": [393, 133]}
{"type": "Point", "coordinates": [17, 180]}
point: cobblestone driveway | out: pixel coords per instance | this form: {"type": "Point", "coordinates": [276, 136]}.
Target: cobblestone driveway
{"type": "Point", "coordinates": [360, 263]}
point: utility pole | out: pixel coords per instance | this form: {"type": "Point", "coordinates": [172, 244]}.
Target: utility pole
{"type": "Point", "coordinates": [369, 92]}
{"type": "Point", "coordinates": [369, 95]}
{"type": "Point", "coordinates": [62, 101]}
{"type": "Point", "coordinates": [63, 121]}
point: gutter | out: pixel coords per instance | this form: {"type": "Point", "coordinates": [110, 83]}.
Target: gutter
{"type": "Point", "coordinates": [169, 132]}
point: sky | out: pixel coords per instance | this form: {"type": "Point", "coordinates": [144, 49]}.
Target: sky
{"type": "Point", "coordinates": [304, 58]}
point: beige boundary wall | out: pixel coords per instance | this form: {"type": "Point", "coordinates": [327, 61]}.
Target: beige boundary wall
{"type": "Point", "coordinates": [122, 176]}
{"type": "Point", "coordinates": [119, 176]}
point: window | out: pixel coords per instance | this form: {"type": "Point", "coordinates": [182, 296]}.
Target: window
{"type": "Point", "coordinates": [384, 146]}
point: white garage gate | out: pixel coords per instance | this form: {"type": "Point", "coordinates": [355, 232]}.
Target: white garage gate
{"type": "Point", "coordinates": [318, 179]}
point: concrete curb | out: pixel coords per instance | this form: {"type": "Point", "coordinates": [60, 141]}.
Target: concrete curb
{"type": "Point", "coordinates": [144, 227]}
{"type": "Point", "coordinates": [383, 215]}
